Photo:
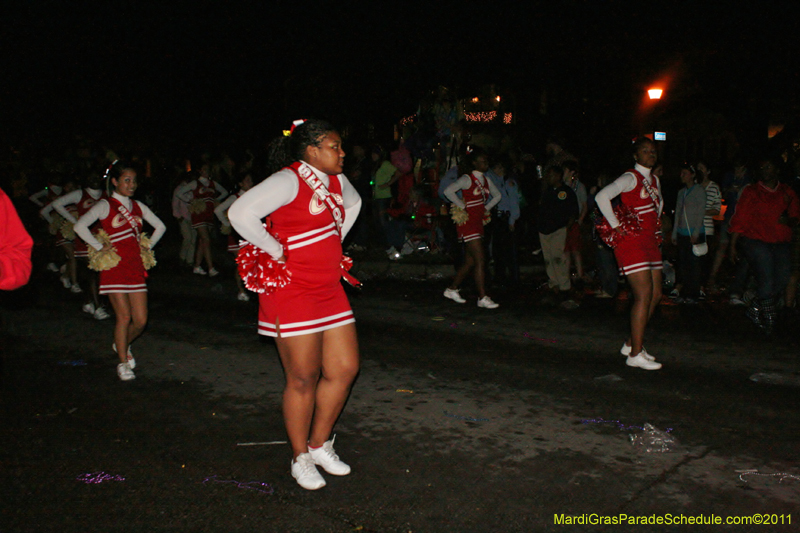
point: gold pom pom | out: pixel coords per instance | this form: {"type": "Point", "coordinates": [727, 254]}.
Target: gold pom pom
{"type": "Point", "coordinates": [458, 215]}
{"type": "Point", "coordinates": [67, 230]}
{"type": "Point", "coordinates": [197, 206]}
{"type": "Point", "coordinates": [105, 259]}
{"type": "Point", "coordinates": [148, 256]}
{"type": "Point", "coordinates": [55, 224]}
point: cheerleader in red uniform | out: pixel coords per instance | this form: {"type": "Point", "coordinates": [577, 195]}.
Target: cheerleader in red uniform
{"type": "Point", "coordinates": [71, 207]}
{"type": "Point", "coordinates": [121, 218]}
{"type": "Point", "coordinates": [475, 189]}
{"type": "Point", "coordinates": [245, 184]}
{"type": "Point", "coordinates": [203, 195]}
{"type": "Point", "coordinates": [311, 206]}
{"type": "Point", "coordinates": [638, 255]}
{"type": "Point", "coordinates": [54, 221]}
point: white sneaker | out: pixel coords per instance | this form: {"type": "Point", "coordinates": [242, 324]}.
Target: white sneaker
{"type": "Point", "coordinates": [66, 282]}
{"type": "Point", "coordinates": [325, 457]}
{"type": "Point", "coordinates": [213, 272]}
{"type": "Point", "coordinates": [305, 472]}
{"type": "Point", "coordinates": [124, 372]}
{"type": "Point", "coordinates": [131, 360]}
{"type": "Point", "coordinates": [88, 308]}
{"type": "Point", "coordinates": [199, 271]}
{"type": "Point", "coordinates": [487, 303]}
{"type": "Point", "coordinates": [75, 289]}
{"type": "Point", "coordinates": [243, 297]}
{"type": "Point", "coordinates": [626, 351]}
{"type": "Point", "coordinates": [100, 314]}
{"type": "Point", "coordinates": [52, 267]}
{"type": "Point", "coordinates": [641, 362]}
{"type": "Point", "coordinates": [453, 295]}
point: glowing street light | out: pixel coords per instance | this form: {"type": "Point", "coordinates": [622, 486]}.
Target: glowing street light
{"type": "Point", "coordinates": [655, 94]}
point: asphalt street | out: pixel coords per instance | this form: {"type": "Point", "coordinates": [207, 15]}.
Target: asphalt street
{"type": "Point", "coordinates": [462, 419]}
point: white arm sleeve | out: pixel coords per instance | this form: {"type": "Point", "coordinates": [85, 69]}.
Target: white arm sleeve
{"type": "Point", "coordinates": [450, 192]}
{"type": "Point", "coordinates": [184, 192]}
{"type": "Point", "coordinates": [247, 212]}
{"type": "Point", "coordinates": [60, 203]}
{"type": "Point", "coordinates": [222, 210]}
{"type": "Point", "coordinates": [221, 190]}
{"type": "Point", "coordinates": [624, 183]}
{"type": "Point", "coordinates": [98, 211]}
{"type": "Point", "coordinates": [496, 194]}
{"type": "Point", "coordinates": [158, 226]}
{"type": "Point", "coordinates": [352, 204]}
{"type": "Point", "coordinates": [46, 210]}
{"type": "Point", "coordinates": [37, 197]}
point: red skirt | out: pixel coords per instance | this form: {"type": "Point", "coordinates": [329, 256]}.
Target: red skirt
{"type": "Point", "coordinates": [314, 300]}
{"type": "Point", "coordinates": [129, 275]}
{"type": "Point", "coordinates": [641, 252]}
{"type": "Point", "coordinates": [205, 217]}
{"type": "Point", "coordinates": [473, 228]}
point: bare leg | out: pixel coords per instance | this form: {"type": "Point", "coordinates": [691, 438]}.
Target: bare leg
{"type": "Point", "coordinates": [469, 264]}
{"type": "Point", "coordinates": [203, 248]}
{"type": "Point", "coordinates": [642, 287]}
{"type": "Point", "coordinates": [340, 364]}
{"type": "Point", "coordinates": [301, 357]}
{"type": "Point", "coordinates": [475, 248]}
{"type": "Point", "coordinates": [131, 312]}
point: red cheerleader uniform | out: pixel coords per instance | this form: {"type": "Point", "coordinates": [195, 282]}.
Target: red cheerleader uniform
{"type": "Point", "coordinates": [124, 228]}
{"type": "Point", "coordinates": [208, 195]}
{"type": "Point", "coordinates": [82, 206]}
{"type": "Point", "coordinates": [475, 205]}
{"type": "Point", "coordinates": [314, 300]}
{"type": "Point", "coordinates": [641, 252]}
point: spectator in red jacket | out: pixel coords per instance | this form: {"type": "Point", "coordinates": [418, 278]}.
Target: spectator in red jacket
{"type": "Point", "coordinates": [15, 247]}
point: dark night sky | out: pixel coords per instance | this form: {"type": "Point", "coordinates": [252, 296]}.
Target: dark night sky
{"type": "Point", "coordinates": [228, 68]}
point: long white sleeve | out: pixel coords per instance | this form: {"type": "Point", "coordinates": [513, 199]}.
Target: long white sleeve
{"type": "Point", "coordinates": [352, 204]}
{"type": "Point", "coordinates": [222, 209]}
{"type": "Point", "coordinates": [223, 192]}
{"type": "Point", "coordinates": [624, 183]}
{"type": "Point", "coordinates": [98, 211]}
{"type": "Point", "coordinates": [464, 182]}
{"type": "Point", "coordinates": [495, 192]}
{"type": "Point", "coordinates": [247, 212]}
{"type": "Point", "coordinates": [159, 228]}
{"type": "Point", "coordinates": [185, 191]}
{"type": "Point", "coordinates": [60, 204]}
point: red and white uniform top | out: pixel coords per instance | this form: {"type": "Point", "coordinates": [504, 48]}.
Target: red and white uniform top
{"type": "Point", "coordinates": [640, 252]}
{"type": "Point", "coordinates": [475, 191]}
{"type": "Point", "coordinates": [304, 220]}
{"type": "Point", "coordinates": [102, 209]}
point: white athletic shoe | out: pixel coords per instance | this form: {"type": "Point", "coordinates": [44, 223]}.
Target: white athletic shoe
{"type": "Point", "coordinates": [626, 351]}
{"type": "Point", "coordinates": [100, 314]}
{"type": "Point", "coordinates": [213, 272]}
{"type": "Point", "coordinates": [88, 308]}
{"type": "Point", "coordinates": [124, 372]}
{"type": "Point", "coordinates": [641, 362]}
{"type": "Point", "coordinates": [487, 303]}
{"type": "Point", "coordinates": [454, 295]}
{"type": "Point", "coordinates": [75, 289]}
{"type": "Point", "coordinates": [131, 360]}
{"type": "Point", "coordinates": [326, 457]}
{"type": "Point", "coordinates": [305, 472]}
{"type": "Point", "coordinates": [199, 271]}
{"type": "Point", "coordinates": [52, 267]}
{"type": "Point", "coordinates": [66, 282]}
{"type": "Point", "coordinates": [243, 297]}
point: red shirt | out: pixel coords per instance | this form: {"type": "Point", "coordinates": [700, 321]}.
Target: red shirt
{"type": "Point", "coordinates": [758, 210]}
